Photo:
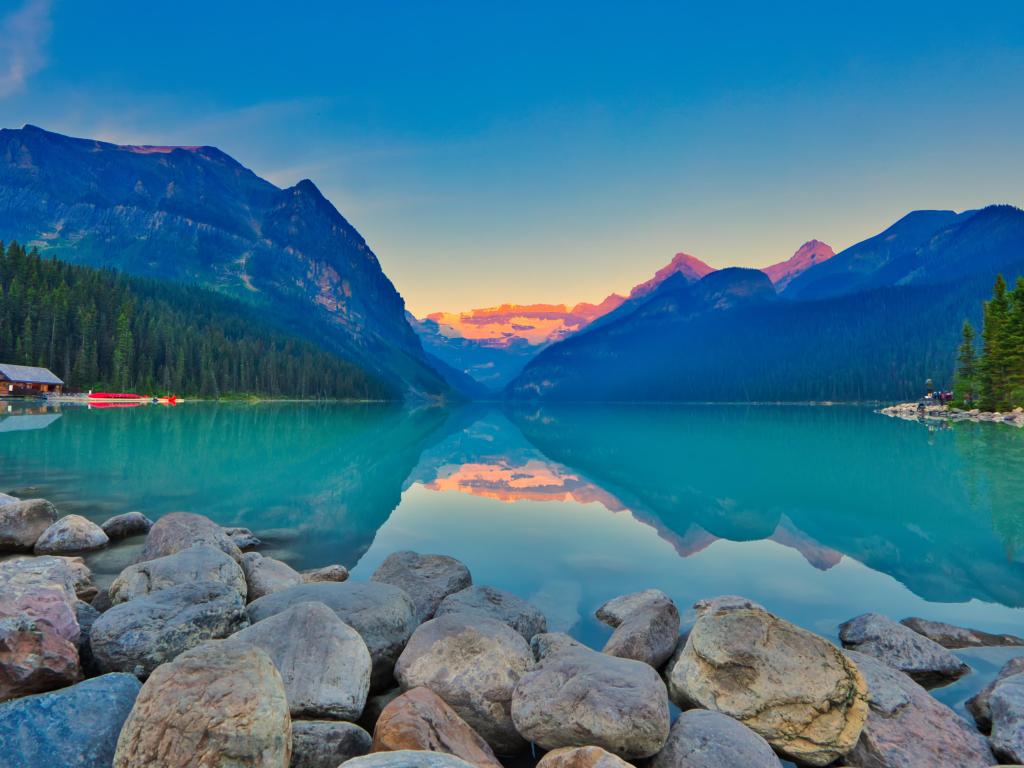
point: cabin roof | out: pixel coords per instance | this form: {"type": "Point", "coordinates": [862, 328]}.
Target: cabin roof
{"type": "Point", "coordinates": [27, 374]}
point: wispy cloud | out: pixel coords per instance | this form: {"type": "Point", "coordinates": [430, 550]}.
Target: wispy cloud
{"type": "Point", "coordinates": [23, 38]}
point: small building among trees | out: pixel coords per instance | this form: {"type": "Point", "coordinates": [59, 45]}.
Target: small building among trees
{"type": "Point", "coordinates": [21, 380]}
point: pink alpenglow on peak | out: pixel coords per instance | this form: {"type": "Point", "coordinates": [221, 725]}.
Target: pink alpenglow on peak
{"type": "Point", "coordinates": [807, 255]}
{"type": "Point", "coordinates": [690, 267]}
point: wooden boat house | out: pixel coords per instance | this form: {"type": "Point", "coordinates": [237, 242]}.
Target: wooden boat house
{"type": "Point", "coordinates": [27, 381]}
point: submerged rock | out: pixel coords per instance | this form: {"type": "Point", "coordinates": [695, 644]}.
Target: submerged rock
{"type": "Point", "coordinates": [140, 635]}
{"type": "Point", "coordinates": [701, 738]}
{"type": "Point", "coordinates": [901, 648]}
{"type": "Point", "coordinates": [908, 728]}
{"type": "Point", "coordinates": [265, 575]}
{"type": "Point", "coordinates": [646, 627]}
{"type": "Point", "coordinates": [498, 604]}
{"type": "Point", "coordinates": [978, 705]}
{"type": "Point", "coordinates": [427, 579]}
{"type": "Point", "coordinates": [76, 727]}
{"type": "Point", "coordinates": [123, 526]}
{"type": "Point", "coordinates": [420, 719]}
{"type": "Point", "coordinates": [952, 636]}
{"type": "Point", "coordinates": [23, 522]}
{"type": "Point", "coordinates": [180, 530]}
{"type": "Point", "coordinates": [327, 573]}
{"type": "Point", "coordinates": [214, 705]}
{"type": "Point", "coordinates": [382, 614]}
{"type": "Point", "coordinates": [407, 758]}
{"type": "Point", "coordinates": [323, 661]}
{"type": "Point", "coordinates": [326, 743]}
{"type": "Point", "coordinates": [577, 697]}
{"type": "Point", "coordinates": [792, 687]}
{"type": "Point", "coordinates": [243, 538]}
{"type": "Point", "coordinates": [473, 663]}
{"type": "Point", "coordinates": [198, 563]}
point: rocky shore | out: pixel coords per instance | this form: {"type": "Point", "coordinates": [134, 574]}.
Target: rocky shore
{"type": "Point", "coordinates": [936, 412]}
{"type": "Point", "coordinates": [206, 653]}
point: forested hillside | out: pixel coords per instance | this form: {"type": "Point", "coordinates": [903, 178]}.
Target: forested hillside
{"type": "Point", "coordinates": [99, 329]}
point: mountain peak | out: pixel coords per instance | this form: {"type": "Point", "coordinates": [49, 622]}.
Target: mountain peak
{"type": "Point", "coordinates": [690, 267]}
{"type": "Point", "coordinates": [807, 255]}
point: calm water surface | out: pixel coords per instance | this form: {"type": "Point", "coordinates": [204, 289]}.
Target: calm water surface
{"type": "Point", "coordinates": [818, 513]}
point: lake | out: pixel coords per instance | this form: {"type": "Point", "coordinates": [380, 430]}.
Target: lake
{"type": "Point", "coordinates": [818, 513]}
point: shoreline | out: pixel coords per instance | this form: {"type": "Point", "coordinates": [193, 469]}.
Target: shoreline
{"type": "Point", "coordinates": [916, 412]}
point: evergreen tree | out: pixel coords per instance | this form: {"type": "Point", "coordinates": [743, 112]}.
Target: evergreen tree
{"type": "Point", "coordinates": [964, 387]}
{"type": "Point", "coordinates": [995, 354]}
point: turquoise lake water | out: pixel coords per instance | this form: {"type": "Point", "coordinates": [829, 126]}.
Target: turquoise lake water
{"type": "Point", "coordinates": [819, 513]}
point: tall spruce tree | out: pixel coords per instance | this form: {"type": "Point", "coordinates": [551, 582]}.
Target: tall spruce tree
{"type": "Point", "coordinates": [994, 356]}
{"type": "Point", "coordinates": [965, 382]}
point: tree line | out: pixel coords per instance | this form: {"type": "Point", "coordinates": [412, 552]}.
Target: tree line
{"type": "Point", "coordinates": [100, 329]}
{"type": "Point", "coordinates": [992, 378]}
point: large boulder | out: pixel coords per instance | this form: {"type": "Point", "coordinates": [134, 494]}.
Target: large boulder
{"type": "Point", "coordinates": [23, 522]}
{"type": "Point", "coordinates": [198, 563]}
{"type": "Point", "coordinates": [326, 743]}
{"type": "Point", "coordinates": [701, 738]}
{"type": "Point", "coordinates": [978, 705]}
{"type": "Point", "coordinates": [420, 719]}
{"type": "Point", "coordinates": [265, 575]}
{"type": "Point", "coordinates": [646, 626]}
{"type": "Point", "coordinates": [123, 526]}
{"type": "Point", "coordinates": [473, 664]}
{"type": "Point", "coordinates": [323, 661]}
{"type": "Point", "coordinates": [908, 728]}
{"type": "Point", "coordinates": [1006, 708]}
{"type": "Point", "coordinates": [76, 727]}
{"type": "Point", "coordinates": [73, 533]}
{"type": "Point", "coordinates": [581, 757]}
{"type": "Point", "coordinates": [43, 589]}
{"type": "Point", "coordinates": [34, 658]}
{"type": "Point", "coordinates": [215, 705]}
{"type": "Point", "coordinates": [901, 648]}
{"type": "Point", "coordinates": [180, 530]}
{"type": "Point", "coordinates": [496, 604]}
{"type": "Point", "coordinates": [382, 614]}
{"type": "Point", "coordinates": [952, 636]}
{"type": "Point", "coordinates": [577, 697]}
{"type": "Point", "coordinates": [792, 687]}
{"type": "Point", "coordinates": [70, 572]}
{"type": "Point", "coordinates": [140, 635]}
{"type": "Point", "coordinates": [427, 579]}
{"type": "Point", "coordinates": [407, 758]}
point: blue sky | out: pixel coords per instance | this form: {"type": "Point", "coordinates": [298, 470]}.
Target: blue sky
{"type": "Point", "coordinates": [554, 152]}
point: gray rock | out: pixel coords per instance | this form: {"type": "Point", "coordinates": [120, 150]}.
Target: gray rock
{"type": "Point", "coordinates": [265, 575]}
{"type": "Point", "coordinates": [427, 579]}
{"type": "Point", "coordinates": [1006, 705]}
{"type": "Point", "coordinates": [792, 687]}
{"type": "Point", "coordinates": [72, 533]}
{"type": "Point", "coordinates": [952, 636]}
{"type": "Point", "coordinates": [978, 705]}
{"type": "Point", "coordinates": [75, 727]}
{"type": "Point", "coordinates": [180, 530]}
{"type": "Point", "coordinates": [70, 572]}
{"type": "Point", "coordinates": [578, 697]}
{"type": "Point", "coordinates": [496, 604]}
{"type": "Point", "coordinates": [701, 738]}
{"type": "Point", "coordinates": [901, 648]}
{"type": "Point", "coordinates": [23, 522]}
{"type": "Point", "coordinates": [101, 601]}
{"type": "Point", "coordinates": [142, 634]}
{"type": "Point", "coordinates": [326, 743]}
{"type": "Point", "coordinates": [407, 758]}
{"type": "Point", "coordinates": [86, 616]}
{"type": "Point", "coordinates": [382, 614]}
{"type": "Point", "coordinates": [243, 538]}
{"type": "Point", "coordinates": [646, 627]}
{"type": "Point", "coordinates": [129, 524]}
{"type": "Point", "coordinates": [198, 563]}
{"type": "Point", "coordinates": [473, 663]}
{"type": "Point", "coordinates": [323, 661]}
{"type": "Point", "coordinates": [908, 728]}
{"type": "Point", "coordinates": [327, 573]}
